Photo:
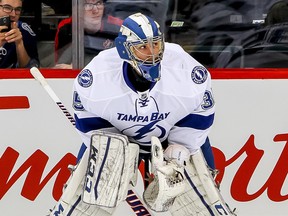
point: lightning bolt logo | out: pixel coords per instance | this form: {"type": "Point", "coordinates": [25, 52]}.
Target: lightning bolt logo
{"type": "Point", "coordinates": [144, 131]}
{"type": "Point", "coordinates": [199, 74]}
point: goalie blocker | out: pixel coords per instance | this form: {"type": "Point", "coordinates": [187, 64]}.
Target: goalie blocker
{"type": "Point", "coordinates": [100, 181]}
{"type": "Point", "coordinates": [183, 184]}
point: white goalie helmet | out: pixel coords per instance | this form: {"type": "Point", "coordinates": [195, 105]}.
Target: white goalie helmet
{"type": "Point", "coordinates": [141, 43]}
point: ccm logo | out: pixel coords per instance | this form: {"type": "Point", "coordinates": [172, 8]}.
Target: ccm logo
{"type": "Point", "coordinates": [91, 169]}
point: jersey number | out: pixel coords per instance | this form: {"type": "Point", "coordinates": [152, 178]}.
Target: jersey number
{"type": "Point", "coordinates": [208, 100]}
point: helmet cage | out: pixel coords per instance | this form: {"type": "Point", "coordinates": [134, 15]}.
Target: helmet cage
{"type": "Point", "coordinates": [154, 58]}
{"type": "Point", "coordinates": [149, 67]}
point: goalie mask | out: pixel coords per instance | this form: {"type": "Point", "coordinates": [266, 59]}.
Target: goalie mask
{"type": "Point", "coordinates": [141, 43]}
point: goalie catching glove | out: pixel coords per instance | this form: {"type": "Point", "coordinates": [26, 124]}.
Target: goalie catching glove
{"type": "Point", "coordinates": [168, 180]}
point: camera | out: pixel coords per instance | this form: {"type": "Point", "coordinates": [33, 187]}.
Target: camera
{"type": "Point", "coordinates": [5, 21]}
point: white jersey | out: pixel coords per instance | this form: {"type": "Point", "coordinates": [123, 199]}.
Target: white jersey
{"type": "Point", "coordinates": [178, 108]}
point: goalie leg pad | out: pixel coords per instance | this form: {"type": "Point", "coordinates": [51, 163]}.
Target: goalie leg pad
{"type": "Point", "coordinates": [110, 165]}
{"type": "Point", "coordinates": [70, 202]}
{"type": "Point", "coordinates": [77, 207]}
{"type": "Point", "coordinates": [202, 196]}
{"type": "Point", "coordinates": [100, 180]}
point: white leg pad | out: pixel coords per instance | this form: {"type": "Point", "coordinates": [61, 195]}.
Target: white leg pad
{"type": "Point", "coordinates": [202, 196]}
{"type": "Point", "coordinates": [109, 169]}
{"type": "Point", "coordinates": [71, 201]}
{"type": "Point", "coordinates": [100, 181]}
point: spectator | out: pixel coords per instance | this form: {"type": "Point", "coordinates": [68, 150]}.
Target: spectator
{"type": "Point", "coordinates": [278, 13]}
{"type": "Point", "coordinates": [100, 29]}
{"type": "Point", "coordinates": [264, 47]}
{"type": "Point", "coordinates": [18, 45]}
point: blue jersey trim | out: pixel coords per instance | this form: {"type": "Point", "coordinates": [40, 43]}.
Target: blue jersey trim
{"type": "Point", "coordinates": [125, 71]}
{"type": "Point", "coordinates": [196, 121]}
{"type": "Point", "coordinates": [88, 124]}
{"type": "Point", "coordinates": [128, 82]}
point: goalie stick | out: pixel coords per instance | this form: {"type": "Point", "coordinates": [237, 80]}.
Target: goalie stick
{"type": "Point", "coordinates": [132, 194]}
{"type": "Point", "coordinates": [40, 78]}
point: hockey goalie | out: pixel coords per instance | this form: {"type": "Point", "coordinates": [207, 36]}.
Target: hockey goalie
{"type": "Point", "coordinates": [128, 102]}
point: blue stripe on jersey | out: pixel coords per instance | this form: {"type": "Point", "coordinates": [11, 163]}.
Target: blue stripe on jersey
{"type": "Point", "coordinates": [196, 121]}
{"type": "Point", "coordinates": [87, 124]}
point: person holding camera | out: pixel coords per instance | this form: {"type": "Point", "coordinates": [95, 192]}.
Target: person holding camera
{"type": "Point", "coordinates": [18, 44]}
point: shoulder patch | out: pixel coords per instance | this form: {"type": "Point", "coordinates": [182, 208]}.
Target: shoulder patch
{"type": "Point", "coordinates": [199, 74]}
{"type": "Point", "coordinates": [85, 78]}
{"type": "Point", "coordinates": [26, 27]}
